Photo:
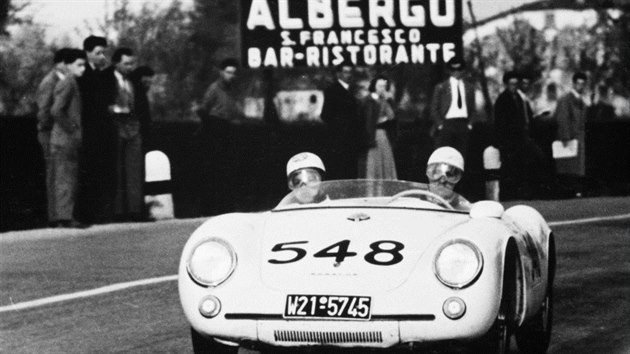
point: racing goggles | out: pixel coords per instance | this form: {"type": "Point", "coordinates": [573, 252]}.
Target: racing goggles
{"type": "Point", "coordinates": [436, 171]}
{"type": "Point", "coordinates": [304, 177]}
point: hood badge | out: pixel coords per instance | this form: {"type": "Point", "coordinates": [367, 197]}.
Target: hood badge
{"type": "Point", "coordinates": [359, 217]}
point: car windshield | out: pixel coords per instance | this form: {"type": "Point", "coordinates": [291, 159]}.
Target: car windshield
{"type": "Point", "coordinates": [358, 193]}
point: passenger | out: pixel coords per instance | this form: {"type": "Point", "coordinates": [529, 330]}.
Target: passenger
{"type": "Point", "coordinates": [444, 169]}
{"type": "Point", "coordinates": [304, 169]}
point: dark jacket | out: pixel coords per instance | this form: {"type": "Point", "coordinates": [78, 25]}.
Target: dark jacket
{"type": "Point", "coordinates": [510, 120]}
{"type": "Point", "coordinates": [341, 113]}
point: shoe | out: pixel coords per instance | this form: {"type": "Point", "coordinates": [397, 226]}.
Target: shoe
{"type": "Point", "coordinates": [53, 224]}
{"type": "Point", "coordinates": [72, 224]}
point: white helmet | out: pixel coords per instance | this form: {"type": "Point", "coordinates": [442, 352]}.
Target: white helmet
{"type": "Point", "coordinates": [304, 160]}
{"type": "Point", "coordinates": [449, 155]}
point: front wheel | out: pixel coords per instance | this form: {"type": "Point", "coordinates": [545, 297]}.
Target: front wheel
{"type": "Point", "coordinates": [206, 345]}
{"type": "Point", "coordinates": [535, 334]}
{"type": "Point", "coordinates": [497, 340]}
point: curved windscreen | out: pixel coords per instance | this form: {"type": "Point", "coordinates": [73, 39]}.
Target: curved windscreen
{"type": "Point", "coordinates": [356, 193]}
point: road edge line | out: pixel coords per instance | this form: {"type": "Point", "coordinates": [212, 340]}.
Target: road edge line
{"type": "Point", "coordinates": [86, 293]}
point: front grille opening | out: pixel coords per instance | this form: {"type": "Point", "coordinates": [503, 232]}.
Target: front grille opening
{"type": "Point", "coordinates": [328, 337]}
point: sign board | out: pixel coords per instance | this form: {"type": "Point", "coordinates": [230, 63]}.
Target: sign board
{"type": "Point", "coordinates": [319, 33]}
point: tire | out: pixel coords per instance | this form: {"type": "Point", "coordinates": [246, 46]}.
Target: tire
{"type": "Point", "coordinates": [497, 339]}
{"type": "Point", "coordinates": [535, 334]}
{"type": "Point", "coordinates": [207, 345]}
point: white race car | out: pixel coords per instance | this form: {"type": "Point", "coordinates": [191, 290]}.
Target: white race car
{"type": "Point", "coordinates": [373, 265]}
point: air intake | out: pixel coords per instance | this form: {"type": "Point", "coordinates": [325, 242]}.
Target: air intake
{"type": "Point", "coordinates": [328, 337]}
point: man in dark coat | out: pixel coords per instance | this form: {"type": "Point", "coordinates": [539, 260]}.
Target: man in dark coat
{"type": "Point", "coordinates": [518, 152]}
{"type": "Point", "coordinates": [97, 162]}
{"type": "Point", "coordinates": [571, 114]}
{"type": "Point", "coordinates": [453, 108]}
{"type": "Point", "coordinates": [121, 99]}
{"type": "Point", "coordinates": [219, 171]}
{"type": "Point", "coordinates": [340, 112]}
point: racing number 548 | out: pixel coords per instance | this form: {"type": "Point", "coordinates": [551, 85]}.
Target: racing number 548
{"type": "Point", "coordinates": [383, 253]}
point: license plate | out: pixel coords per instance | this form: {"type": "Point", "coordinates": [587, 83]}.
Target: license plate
{"type": "Point", "coordinates": [328, 307]}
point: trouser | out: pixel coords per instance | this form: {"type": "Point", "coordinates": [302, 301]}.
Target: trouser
{"type": "Point", "coordinates": [129, 169]}
{"type": "Point", "coordinates": [65, 169]}
{"type": "Point", "coordinates": [454, 133]}
{"type": "Point", "coordinates": [97, 175]}
{"type": "Point", "coordinates": [44, 141]}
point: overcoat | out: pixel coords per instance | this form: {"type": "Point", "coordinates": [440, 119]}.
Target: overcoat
{"type": "Point", "coordinates": [571, 118]}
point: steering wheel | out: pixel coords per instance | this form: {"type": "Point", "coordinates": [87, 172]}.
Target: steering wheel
{"type": "Point", "coordinates": [422, 192]}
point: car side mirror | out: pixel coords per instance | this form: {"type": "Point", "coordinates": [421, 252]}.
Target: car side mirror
{"type": "Point", "coordinates": [486, 209]}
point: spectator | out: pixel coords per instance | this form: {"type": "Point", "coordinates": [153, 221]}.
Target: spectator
{"type": "Point", "coordinates": [453, 108]}
{"type": "Point", "coordinates": [122, 107]}
{"type": "Point", "coordinates": [519, 155]}
{"type": "Point", "coordinates": [379, 121]}
{"type": "Point", "coordinates": [65, 141]}
{"type": "Point", "coordinates": [98, 159]}
{"type": "Point", "coordinates": [142, 79]}
{"type": "Point", "coordinates": [544, 129]}
{"type": "Point", "coordinates": [45, 98]}
{"type": "Point", "coordinates": [571, 117]}
{"type": "Point", "coordinates": [340, 112]}
{"type": "Point", "coordinates": [445, 169]}
{"type": "Point", "coordinates": [525, 91]}
{"type": "Point", "coordinates": [602, 110]}
{"type": "Point", "coordinates": [217, 111]}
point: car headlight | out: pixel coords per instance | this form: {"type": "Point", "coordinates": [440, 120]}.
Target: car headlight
{"type": "Point", "coordinates": [211, 262]}
{"type": "Point", "coordinates": [458, 263]}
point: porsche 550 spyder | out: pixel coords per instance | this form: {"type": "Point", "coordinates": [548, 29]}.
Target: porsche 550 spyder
{"type": "Point", "coordinates": [369, 264]}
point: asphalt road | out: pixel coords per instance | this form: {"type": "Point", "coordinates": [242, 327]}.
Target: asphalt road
{"type": "Point", "coordinates": [592, 311]}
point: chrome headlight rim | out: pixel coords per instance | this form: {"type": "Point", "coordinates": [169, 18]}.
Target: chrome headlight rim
{"type": "Point", "coordinates": [477, 272]}
{"type": "Point", "coordinates": [227, 275]}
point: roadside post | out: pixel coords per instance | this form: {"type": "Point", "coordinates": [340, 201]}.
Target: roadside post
{"type": "Point", "coordinates": [492, 167]}
{"type": "Point", "coordinates": [158, 197]}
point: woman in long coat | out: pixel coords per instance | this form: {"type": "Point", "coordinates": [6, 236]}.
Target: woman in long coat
{"type": "Point", "coordinates": [377, 161]}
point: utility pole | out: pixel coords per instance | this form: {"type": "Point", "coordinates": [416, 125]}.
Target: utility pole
{"type": "Point", "coordinates": [482, 66]}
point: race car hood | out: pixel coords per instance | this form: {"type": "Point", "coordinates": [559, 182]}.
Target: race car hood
{"type": "Point", "coordinates": [348, 249]}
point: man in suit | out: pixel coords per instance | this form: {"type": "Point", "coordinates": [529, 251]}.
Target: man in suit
{"type": "Point", "coordinates": [120, 96]}
{"type": "Point", "coordinates": [65, 140]}
{"type": "Point", "coordinates": [520, 157]}
{"type": "Point", "coordinates": [453, 108]}
{"type": "Point", "coordinates": [340, 112]}
{"type": "Point", "coordinates": [45, 98]}
{"type": "Point", "coordinates": [97, 166]}
{"type": "Point", "coordinates": [571, 114]}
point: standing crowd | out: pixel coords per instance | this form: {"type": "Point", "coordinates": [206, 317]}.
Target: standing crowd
{"type": "Point", "coordinates": [361, 121]}
{"type": "Point", "coordinates": [92, 120]}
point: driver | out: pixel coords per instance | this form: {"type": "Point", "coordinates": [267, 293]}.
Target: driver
{"type": "Point", "coordinates": [305, 170]}
{"type": "Point", "coordinates": [444, 169]}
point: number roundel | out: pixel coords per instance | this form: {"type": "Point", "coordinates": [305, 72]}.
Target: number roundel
{"type": "Point", "coordinates": [383, 253]}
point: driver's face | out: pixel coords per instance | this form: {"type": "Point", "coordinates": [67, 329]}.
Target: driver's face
{"type": "Point", "coordinates": [442, 187]}
{"type": "Point", "coordinates": [304, 177]}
